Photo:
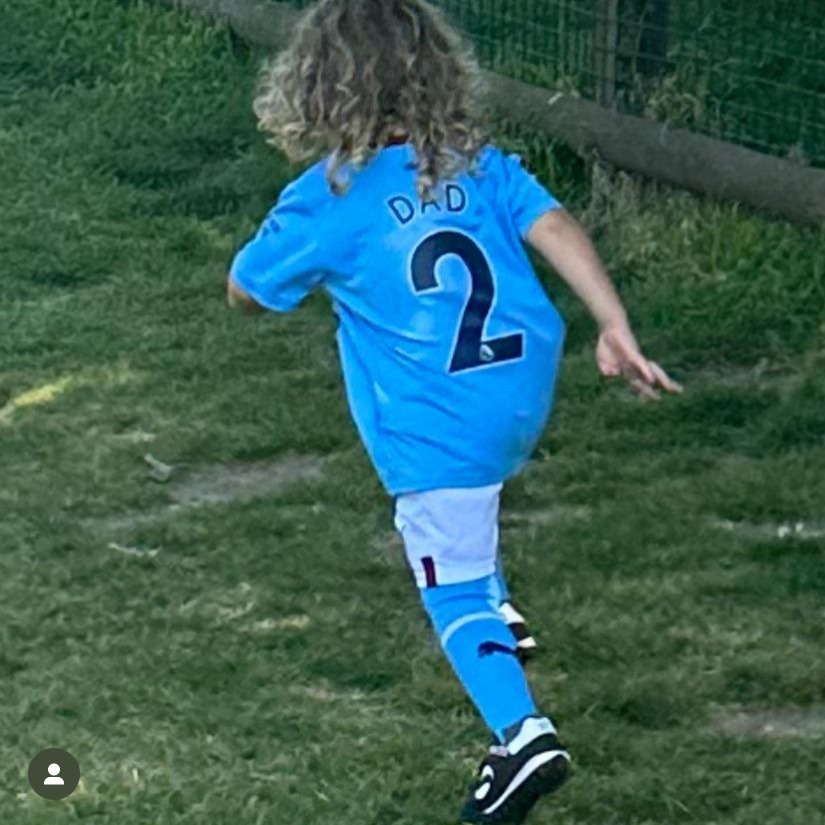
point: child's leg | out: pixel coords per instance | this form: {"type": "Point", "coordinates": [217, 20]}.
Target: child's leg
{"type": "Point", "coordinates": [482, 651]}
{"type": "Point", "coordinates": [451, 539]}
{"type": "Point", "coordinates": [501, 582]}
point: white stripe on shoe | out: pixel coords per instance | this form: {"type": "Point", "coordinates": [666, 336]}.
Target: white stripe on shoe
{"type": "Point", "coordinates": [527, 770]}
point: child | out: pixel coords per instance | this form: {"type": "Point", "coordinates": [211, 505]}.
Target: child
{"type": "Point", "coordinates": [449, 346]}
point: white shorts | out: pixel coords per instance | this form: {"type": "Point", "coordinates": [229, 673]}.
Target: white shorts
{"type": "Point", "coordinates": [450, 535]}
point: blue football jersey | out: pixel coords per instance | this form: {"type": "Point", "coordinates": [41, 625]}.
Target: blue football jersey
{"type": "Point", "coordinates": [448, 343]}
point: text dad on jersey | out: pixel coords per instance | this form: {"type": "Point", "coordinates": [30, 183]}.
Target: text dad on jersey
{"type": "Point", "coordinates": [404, 209]}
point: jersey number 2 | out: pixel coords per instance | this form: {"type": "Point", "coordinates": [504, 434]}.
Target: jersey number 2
{"type": "Point", "coordinates": [471, 349]}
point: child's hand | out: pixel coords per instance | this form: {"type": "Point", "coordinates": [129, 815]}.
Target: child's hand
{"type": "Point", "coordinates": [236, 298]}
{"type": "Point", "coordinates": [618, 353]}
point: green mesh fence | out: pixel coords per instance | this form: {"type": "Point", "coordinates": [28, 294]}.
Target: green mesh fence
{"type": "Point", "coordinates": [748, 71]}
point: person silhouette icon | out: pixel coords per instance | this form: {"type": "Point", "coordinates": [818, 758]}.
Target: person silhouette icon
{"type": "Point", "coordinates": [53, 774]}
{"type": "Point", "coordinates": [53, 778]}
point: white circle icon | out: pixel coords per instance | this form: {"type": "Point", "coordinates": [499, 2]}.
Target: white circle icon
{"type": "Point", "coordinates": [53, 778]}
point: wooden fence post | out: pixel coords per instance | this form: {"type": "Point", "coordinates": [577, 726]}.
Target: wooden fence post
{"type": "Point", "coordinates": [606, 38]}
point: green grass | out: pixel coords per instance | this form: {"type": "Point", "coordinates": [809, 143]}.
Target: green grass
{"type": "Point", "coordinates": [270, 662]}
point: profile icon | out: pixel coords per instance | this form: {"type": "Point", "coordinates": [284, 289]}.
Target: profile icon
{"type": "Point", "coordinates": [54, 775]}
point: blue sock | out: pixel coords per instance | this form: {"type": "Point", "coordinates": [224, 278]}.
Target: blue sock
{"type": "Point", "coordinates": [481, 649]}
{"type": "Point", "coordinates": [503, 590]}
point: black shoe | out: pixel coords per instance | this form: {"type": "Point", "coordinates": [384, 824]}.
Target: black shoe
{"type": "Point", "coordinates": [525, 642]}
{"type": "Point", "coordinates": [512, 779]}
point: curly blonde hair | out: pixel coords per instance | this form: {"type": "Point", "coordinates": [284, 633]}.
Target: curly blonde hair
{"type": "Point", "coordinates": [358, 73]}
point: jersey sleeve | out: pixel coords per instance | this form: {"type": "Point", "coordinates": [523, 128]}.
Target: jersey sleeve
{"type": "Point", "coordinates": [287, 258]}
{"type": "Point", "coordinates": [521, 196]}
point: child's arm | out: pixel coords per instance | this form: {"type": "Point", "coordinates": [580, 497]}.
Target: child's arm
{"type": "Point", "coordinates": [286, 259]}
{"type": "Point", "coordinates": [565, 245]}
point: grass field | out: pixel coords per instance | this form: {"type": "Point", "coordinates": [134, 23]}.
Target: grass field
{"type": "Point", "coordinates": [241, 643]}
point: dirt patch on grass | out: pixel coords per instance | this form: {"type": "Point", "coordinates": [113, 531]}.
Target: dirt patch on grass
{"type": "Point", "coordinates": [219, 484]}
{"type": "Point", "coordinates": [544, 516]}
{"type": "Point", "coordinates": [222, 606]}
{"type": "Point", "coordinates": [774, 530]}
{"type": "Point", "coordinates": [223, 483]}
{"type": "Point", "coordinates": [295, 622]}
{"type": "Point", "coordinates": [774, 723]}
{"type": "Point", "coordinates": [323, 691]}
{"type": "Point", "coordinates": [225, 606]}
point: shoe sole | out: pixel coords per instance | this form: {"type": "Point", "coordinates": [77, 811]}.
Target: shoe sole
{"type": "Point", "coordinates": [546, 779]}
